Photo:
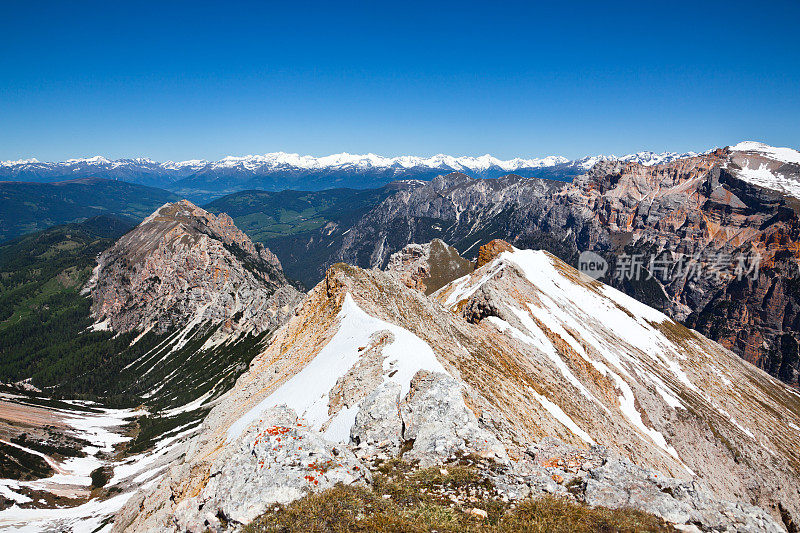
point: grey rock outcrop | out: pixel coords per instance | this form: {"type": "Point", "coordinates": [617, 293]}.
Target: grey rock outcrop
{"type": "Point", "coordinates": [619, 484]}
{"type": "Point", "coordinates": [599, 478]}
{"type": "Point", "coordinates": [433, 419]}
{"type": "Point", "coordinates": [275, 461]}
{"type": "Point", "coordinates": [378, 423]}
{"type": "Point", "coordinates": [439, 423]}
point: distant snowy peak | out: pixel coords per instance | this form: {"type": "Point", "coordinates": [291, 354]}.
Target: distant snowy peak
{"type": "Point", "coordinates": [18, 162]}
{"type": "Point", "coordinates": [643, 158]}
{"type": "Point", "coordinates": [283, 160]}
{"type": "Point", "coordinates": [279, 160]}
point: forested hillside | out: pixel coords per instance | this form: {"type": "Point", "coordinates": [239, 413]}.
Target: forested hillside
{"type": "Point", "coordinates": [42, 313]}
{"type": "Point", "coordinates": [29, 207]}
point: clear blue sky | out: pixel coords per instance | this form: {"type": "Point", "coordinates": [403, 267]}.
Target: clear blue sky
{"type": "Point", "coordinates": [180, 80]}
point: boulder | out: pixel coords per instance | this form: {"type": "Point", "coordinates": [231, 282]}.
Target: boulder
{"type": "Point", "coordinates": [275, 461]}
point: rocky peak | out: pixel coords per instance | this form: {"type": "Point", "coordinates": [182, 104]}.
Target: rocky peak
{"type": "Point", "coordinates": [184, 265]}
{"type": "Point", "coordinates": [220, 226]}
{"type": "Point", "coordinates": [428, 267]}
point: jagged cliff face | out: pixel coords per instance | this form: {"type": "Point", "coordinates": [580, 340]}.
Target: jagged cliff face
{"type": "Point", "coordinates": [735, 202]}
{"type": "Point", "coordinates": [454, 208]}
{"type": "Point", "coordinates": [697, 208]}
{"type": "Point", "coordinates": [184, 265]}
{"type": "Point", "coordinates": [521, 349]}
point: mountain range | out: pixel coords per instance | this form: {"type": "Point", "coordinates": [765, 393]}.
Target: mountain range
{"type": "Point", "coordinates": [705, 209]}
{"type": "Point", "coordinates": [203, 180]}
{"type": "Point", "coordinates": [447, 369]}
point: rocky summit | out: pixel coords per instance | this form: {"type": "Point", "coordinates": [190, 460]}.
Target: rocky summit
{"type": "Point", "coordinates": [428, 267]}
{"type": "Point", "coordinates": [184, 265]}
{"type": "Point", "coordinates": [557, 382]}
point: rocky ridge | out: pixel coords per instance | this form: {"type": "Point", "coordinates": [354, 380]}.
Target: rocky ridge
{"type": "Point", "coordinates": [492, 364]}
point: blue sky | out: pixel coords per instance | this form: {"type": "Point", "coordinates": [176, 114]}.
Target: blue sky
{"type": "Point", "coordinates": [180, 80]}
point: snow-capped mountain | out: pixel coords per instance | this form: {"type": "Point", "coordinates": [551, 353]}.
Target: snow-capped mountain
{"type": "Point", "coordinates": [280, 170]}
{"type": "Point", "coordinates": [343, 161]}
{"type": "Point", "coordinates": [647, 159]}
{"type": "Point", "coordinates": [201, 179]}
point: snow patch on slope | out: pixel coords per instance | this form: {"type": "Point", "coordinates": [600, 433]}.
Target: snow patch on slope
{"type": "Point", "coordinates": [760, 164]}
{"type": "Point", "coordinates": [786, 155]}
{"type": "Point", "coordinates": [562, 417]}
{"type": "Point", "coordinates": [307, 392]}
{"type": "Point", "coordinates": [617, 335]}
{"type": "Point", "coordinates": [764, 177]}
{"type": "Point", "coordinates": [102, 429]}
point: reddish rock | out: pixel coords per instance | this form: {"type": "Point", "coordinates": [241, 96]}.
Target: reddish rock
{"type": "Point", "coordinates": [490, 250]}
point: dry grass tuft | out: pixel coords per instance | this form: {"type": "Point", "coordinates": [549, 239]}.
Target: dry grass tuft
{"type": "Point", "coordinates": [433, 499]}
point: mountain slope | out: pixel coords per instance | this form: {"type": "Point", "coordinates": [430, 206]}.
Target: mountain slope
{"type": "Point", "coordinates": [696, 212]}
{"type": "Point", "coordinates": [375, 368]}
{"type": "Point", "coordinates": [41, 309]}
{"type": "Point", "coordinates": [178, 308]}
{"type": "Point", "coordinates": [185, 296]}
{"type": "Point", "coordinates": [28, 207]}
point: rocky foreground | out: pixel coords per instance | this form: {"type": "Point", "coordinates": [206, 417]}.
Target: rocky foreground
{"type": "Point", "coordinates": [563, 384]}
